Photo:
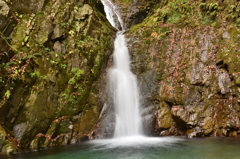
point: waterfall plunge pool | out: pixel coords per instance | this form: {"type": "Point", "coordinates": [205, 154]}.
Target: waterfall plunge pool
{"type": "Point", "coordinates": [137, 147]}
{"type": "Point", "coordinates": [141, 148]}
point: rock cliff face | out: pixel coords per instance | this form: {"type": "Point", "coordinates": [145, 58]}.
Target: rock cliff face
{"type": "Point", "coordinates": [52, 54]}
{"type": "Point", "coordinates": [186, 55]}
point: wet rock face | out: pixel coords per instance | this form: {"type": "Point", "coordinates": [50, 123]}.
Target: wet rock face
{"type": "Point", "coordinates": [50, 66]}
{"type": "Point", "coordinates": [188, 70]}
{"type": "Point", "coordinates": [134, 11]}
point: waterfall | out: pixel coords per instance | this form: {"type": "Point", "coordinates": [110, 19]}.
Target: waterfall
{"type": "Point", "coordinates": [123, 83]}
{"type": "Point", "coordinates": [111, 13]}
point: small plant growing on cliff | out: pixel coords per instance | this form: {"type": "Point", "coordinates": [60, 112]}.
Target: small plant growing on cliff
{"type": "Point", "coordinates": [76, 75]}
{"type": "Point", "coordinates": [7, 94]}
{"type": "Point", "coordinates": [234, 13]}
{"type": "Point", "coordinates": [37, 74]}
{"type": "Point", "coordinates": [210, 9]}
{"type": "Point", "coordinates": [63, 66]}
{"type": "Point", "coordinates": [64, 25]}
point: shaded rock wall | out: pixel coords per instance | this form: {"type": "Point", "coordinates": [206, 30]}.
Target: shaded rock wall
{"type": "Point", "coordinates": [52, 55]}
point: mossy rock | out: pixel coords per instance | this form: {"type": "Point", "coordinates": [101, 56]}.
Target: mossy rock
{"type": "Point", "coordinates": [39, 142]}
{"type": "Point", "coordinates": [87, 120]}
{"type": "Point", "coordinates": [208, 125]}
{"type": "Point", "coordinates": [164, 117]}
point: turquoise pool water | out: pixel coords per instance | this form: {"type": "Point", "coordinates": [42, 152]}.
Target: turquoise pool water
{"type": "Point", "coordinates": [141, 148]}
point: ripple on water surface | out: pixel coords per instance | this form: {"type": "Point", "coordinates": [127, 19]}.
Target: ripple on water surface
{"type": "Point", "coordinates": [140, 147]}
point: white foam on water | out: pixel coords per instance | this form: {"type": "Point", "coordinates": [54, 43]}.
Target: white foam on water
{"type": "Point", "coordinates": [135, 142]}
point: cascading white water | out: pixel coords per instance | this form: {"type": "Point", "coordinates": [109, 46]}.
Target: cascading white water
{"type": "Point", "coordinates": [123, 82]}
{"type": "Point", "coordinates": [111, 12]}
{"type": "Point", "coordinates": [123, 85]}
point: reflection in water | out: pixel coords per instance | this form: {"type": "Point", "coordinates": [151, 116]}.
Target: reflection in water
{"type": "Point", "coordinates": [142, 148]}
